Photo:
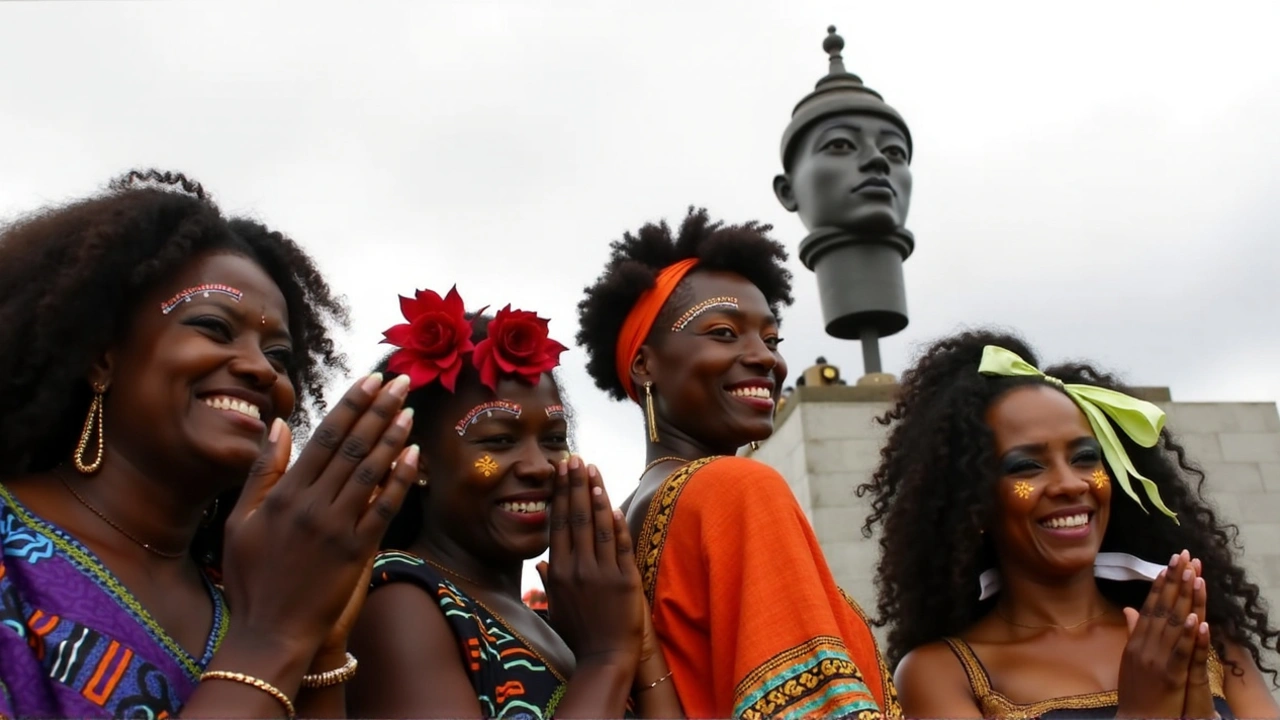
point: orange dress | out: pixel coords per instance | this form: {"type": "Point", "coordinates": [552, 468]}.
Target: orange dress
{"type": "Point", "coordinates": [750, 619]}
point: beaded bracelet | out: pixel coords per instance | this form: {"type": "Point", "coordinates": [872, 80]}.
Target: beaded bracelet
{"type": "Point", "coordinates": [254, 682]}
{"type": "Point", "coordinates": [329, 678]}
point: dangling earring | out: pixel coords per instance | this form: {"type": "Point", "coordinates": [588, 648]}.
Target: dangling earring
{"type": "Point", "coordinates": [754, 446]}
{"type": "Point", "coordinates": [94, 418]}
{"type": "Point", "coordinates": [422, 480]}
{"type": "Point", "coordinates": [648, 411]}
{"type": "Point", "coordinates": [210, 513]}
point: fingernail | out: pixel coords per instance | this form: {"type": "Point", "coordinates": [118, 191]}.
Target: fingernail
{"type": "Point", "coordinates": [277, 426]}
{"type": "Point", "coordinates": [372, 383]}
{"type": "Point", "coordinates": [1186, 575]}
{"type": "Point", "coordinates": [1191, 621]}
{"type": "Point", "coordinates": [1204, 628]}
{"type": "Point", "coordinates": [1199, 583]}
{"type": "Point", "coordinates": [592, 472]}
{"type": "Point", "coordinates": [405, 418]}
{"type": "Point", "coordinates": [1173, 561]}
{"type": "Point", "coordinates": [617, 514]}
{"type": "Point", "coordinates": [411, 457]}
{"type": "Point", "coordinates": [575, 462]}
{"type": "Point", "coordinates": [597, 490]}
{"type": "Point", "coordinates": [400, 386]}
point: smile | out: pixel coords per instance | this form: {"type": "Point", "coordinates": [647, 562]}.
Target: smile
{"type": "Point", "coordinates": [524, 508]}
{"type": "Point", "coordinates": [222, 402]}
{"type": "Point", "coordinates": [752, 392]}
{"type": "Point", "coordinates": [1066, 522]}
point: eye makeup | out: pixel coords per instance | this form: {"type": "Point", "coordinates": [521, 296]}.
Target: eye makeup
{"type": "Point", "coordinates": [202, 290]}
{"type": "Point", "coordinates": [716, 303]}
{"type": "Point", "coordinates": [486, 410]}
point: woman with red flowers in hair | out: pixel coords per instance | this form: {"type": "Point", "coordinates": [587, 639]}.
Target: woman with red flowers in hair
{"type": "Point", "coordinates": [445, 632]}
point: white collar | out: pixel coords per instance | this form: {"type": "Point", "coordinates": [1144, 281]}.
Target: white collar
{"type": "Point", "coordinates": [1108, 566]}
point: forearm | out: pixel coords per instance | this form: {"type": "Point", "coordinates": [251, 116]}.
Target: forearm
{"type": "Point", "coordinates": [654, 692]}
{"type": "Point", "coordinates": [278, 663]}
{"type": "Point", "coordinates": [327, 702]}
{"type": "Point", "coordinates": [597, 691]}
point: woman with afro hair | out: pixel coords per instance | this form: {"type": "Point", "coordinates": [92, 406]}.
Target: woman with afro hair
{"type": "Point", "coordinates": [1046, 550]}
{"type": "Point", "coordinates": [745, 608]}
{"type": "Point", "coordinates": [153, 354]}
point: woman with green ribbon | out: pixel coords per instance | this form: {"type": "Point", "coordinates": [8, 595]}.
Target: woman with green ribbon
{"type": "Point", "coordinates": [1046, 551]}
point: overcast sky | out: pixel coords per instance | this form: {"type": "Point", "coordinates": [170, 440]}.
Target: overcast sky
{"type": "Point", "coordinates": [1098, 175]}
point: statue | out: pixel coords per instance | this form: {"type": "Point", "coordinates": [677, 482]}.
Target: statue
{"type": "Point", "coordinates": [846, 158]}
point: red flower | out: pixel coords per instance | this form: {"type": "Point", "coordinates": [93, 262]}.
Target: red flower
{"type": "Point", "coordinates": [434, 341]}
{"type": "Point", "coordinates": [517, 345]}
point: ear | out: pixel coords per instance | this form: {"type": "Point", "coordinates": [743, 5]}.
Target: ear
{"type": "Point", "coordinates": [101, 371]}
{"type": "Point", "coordinates": [643, 366]}
{"type": "Point", "coordinates": [785, 193]}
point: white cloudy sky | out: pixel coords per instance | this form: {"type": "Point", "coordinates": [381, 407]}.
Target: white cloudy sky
{"type": "Point", "coordinates": [1095, 174]}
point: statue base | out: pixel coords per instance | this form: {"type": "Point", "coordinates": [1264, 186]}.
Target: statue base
{"type": "Point", "coordinates": [860, 281]}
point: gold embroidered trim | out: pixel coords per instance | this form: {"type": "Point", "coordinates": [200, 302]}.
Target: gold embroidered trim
{"type": "Point", "coordinates": [653, 534]}
{"type": "Point", "coordinates": [995, 704]}
{"type": "Point", "coordinates": [815, 673]}
{"type": "Point", "coordinates": [893, 708]}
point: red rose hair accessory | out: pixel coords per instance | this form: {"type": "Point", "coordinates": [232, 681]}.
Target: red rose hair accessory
{"type": "Point", "coordinates": [433, 342]}
{"type": "Point", "coordinates": [518, 345]}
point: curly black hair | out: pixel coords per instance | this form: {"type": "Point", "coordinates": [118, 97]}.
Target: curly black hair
{"type": "Point", "coordinates": [71, 277]}
{"type": "Point", "coordinates": [636, 260]}
{"type": "Point", "coordinates": [427, 403]}
{"type": "Point", "coordinates": [936, 488]}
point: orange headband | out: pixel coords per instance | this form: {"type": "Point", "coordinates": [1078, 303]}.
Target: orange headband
{"type": "Point", "coordinates": [635, 329]}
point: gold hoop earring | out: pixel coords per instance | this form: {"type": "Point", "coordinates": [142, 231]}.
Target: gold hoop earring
{"type": "Point", "coordinates": [648, 411]}
{"type": "Point", "coordinates": [94, 418]}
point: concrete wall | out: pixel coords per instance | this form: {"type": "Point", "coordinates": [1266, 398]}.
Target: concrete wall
{"type": "Point", "coordinates": [827, 443]}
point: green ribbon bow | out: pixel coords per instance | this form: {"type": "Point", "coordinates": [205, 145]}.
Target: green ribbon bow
{"type": "Point", "coordinates": [1140, 420]}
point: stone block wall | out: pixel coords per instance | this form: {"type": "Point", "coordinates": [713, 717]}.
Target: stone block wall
{"type": "Point", "coordinates": [828, 443]}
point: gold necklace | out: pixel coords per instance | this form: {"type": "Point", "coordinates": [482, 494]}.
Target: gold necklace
{"type": "Point", "coordinates": [117, 528]}
{"type": "Point", "coordinates": [1086, 621]}
{"type": "Point", "coordinates": [550, 667]}
{"type": "Point", "coordinates": [661, 460]}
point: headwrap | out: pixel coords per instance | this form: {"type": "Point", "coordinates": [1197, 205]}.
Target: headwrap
{"type": "Point", "coordinates": [1140, 420]}
{"type": "Point", "coordinates": [635, 329]}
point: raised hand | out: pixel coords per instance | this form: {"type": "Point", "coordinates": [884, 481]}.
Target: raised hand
{"type": "Point", "coordinates": [1162, 638]}
{"type": "Point", "coordinates": [1199, 698]}
{"type": "Point", "coordinates": [594, 596]}
{"type": "Point", "coordinates": [300, 539]}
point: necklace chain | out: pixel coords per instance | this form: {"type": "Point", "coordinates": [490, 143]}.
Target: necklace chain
{"type": "Point", "coordinates": [499, 618]}
{"type": "Point", "coordinates": [661, 460]}
{"type": "Point", "coordinates": [1086, 621]}
{"type": "Point", "coordinates": [117, 528]}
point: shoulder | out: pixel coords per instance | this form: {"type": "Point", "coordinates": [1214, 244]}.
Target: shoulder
{"type": "Point", "coordinates": [932, 682]}
{"type": "Point", "coordinates": [1247, 692]}
{"type": "Point", "coordinates": [395, 566]}
{"type": "Point", "coordinates": [737, 481]}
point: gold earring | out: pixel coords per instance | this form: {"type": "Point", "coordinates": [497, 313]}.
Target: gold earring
{"type": "Point", "coordinates": [754, 446]}
{"type": "Point", "coordinates": [94, 418]}
{"type": "Point", "coordinates": [648, 411]}
{"type": "Point", "coordinates": [422, 480]}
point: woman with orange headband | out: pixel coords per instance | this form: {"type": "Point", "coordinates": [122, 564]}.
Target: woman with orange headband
{"type": "Point", "coordinates": [744, 605]}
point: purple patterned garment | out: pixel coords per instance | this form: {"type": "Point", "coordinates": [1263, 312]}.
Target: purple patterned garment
{"type": "Point", "coordinates": [73, 641]}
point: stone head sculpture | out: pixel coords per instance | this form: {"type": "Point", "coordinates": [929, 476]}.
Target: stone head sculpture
{"type": "Point", "coordinates": [845, 155]}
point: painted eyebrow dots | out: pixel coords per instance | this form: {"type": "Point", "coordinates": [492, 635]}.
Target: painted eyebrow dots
{"type": "Point", "coordinates": [203, 290]}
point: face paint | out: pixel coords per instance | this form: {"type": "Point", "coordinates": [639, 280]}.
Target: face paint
{"type": "Point", "coordinates": [485, 410]}
{"type": "Point", "coordinates": [706, 306]}
{"type": "Point", "coordinates": [486, 466]}
{"type": "Point", "coordinates": [555, 411]}
{"type": "Point", "coordinates": [1022, 489]}
{"type": "Point", "coordinates": [203, 290]}
{"type": "Point", "coordinates": [1100, 478]}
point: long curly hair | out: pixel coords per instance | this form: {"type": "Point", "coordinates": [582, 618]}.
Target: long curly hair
{"type": "Point", "coordinates": [936, 488]}
{"type": "Point", "coordinates": [72, 276]}
{"type": "Point", "coordinates": [633, 268]}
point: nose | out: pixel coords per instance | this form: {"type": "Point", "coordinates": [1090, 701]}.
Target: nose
{"type": "Point", "coordinates": [758, 354]}
{"type": "Point", "coordinates": [1066, 480]}
{"type": "Point", "coordinates": [253, 366]}
{"type": "Point", "coordinates": [535, 464]}
{"type": "Point", "coordinates": [874, 160]}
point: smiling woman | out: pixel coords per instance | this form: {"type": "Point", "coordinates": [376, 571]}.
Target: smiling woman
{"type": "Point", "coordinates": [744, 604]}
{"type": "Point", "coordinates": [1064, 507]}
{"type": "Point", "coordinates": [151, 352]}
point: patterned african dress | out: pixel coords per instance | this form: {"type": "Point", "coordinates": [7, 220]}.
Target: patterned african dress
{"type": "Point", "coordinates": [73, 641]}
{"type": "Point", "coordinates": [749, 616]}
{"type": "Point", "coordinates": [510, 679]}
{"type": "Point", "coordinates": [1091, 705]}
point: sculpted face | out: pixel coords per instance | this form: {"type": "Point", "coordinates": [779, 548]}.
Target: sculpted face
{"type": "Point", "coordinates": [849, 171]}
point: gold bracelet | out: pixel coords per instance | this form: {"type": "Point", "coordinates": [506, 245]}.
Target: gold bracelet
{"type": "Point", "coordinates": [329, 678]}
{"type": "Point", "coordinates": [252, 681]}
{"type": "Point", "coordinates": [656, 683]}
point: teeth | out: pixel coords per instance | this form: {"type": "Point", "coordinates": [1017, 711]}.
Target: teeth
{"type": "Point", "coordinates": [222, 402]}
{"type": "Point", "coordinates": [1070, 521]}
{"type": "Point", "coordinates": [524, 507]}
{"type": "Point", "coordinates": [752, 392]}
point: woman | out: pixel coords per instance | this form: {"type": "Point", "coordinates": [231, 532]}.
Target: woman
{"type": "Point", "coordinates": [151, 352]}
{"type": "Point", "coordinates": [743, 601]}
{"type": "Point", "coordinates": [1058, 500]}
{"type": "Point", "coordinates": [496, 486]}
